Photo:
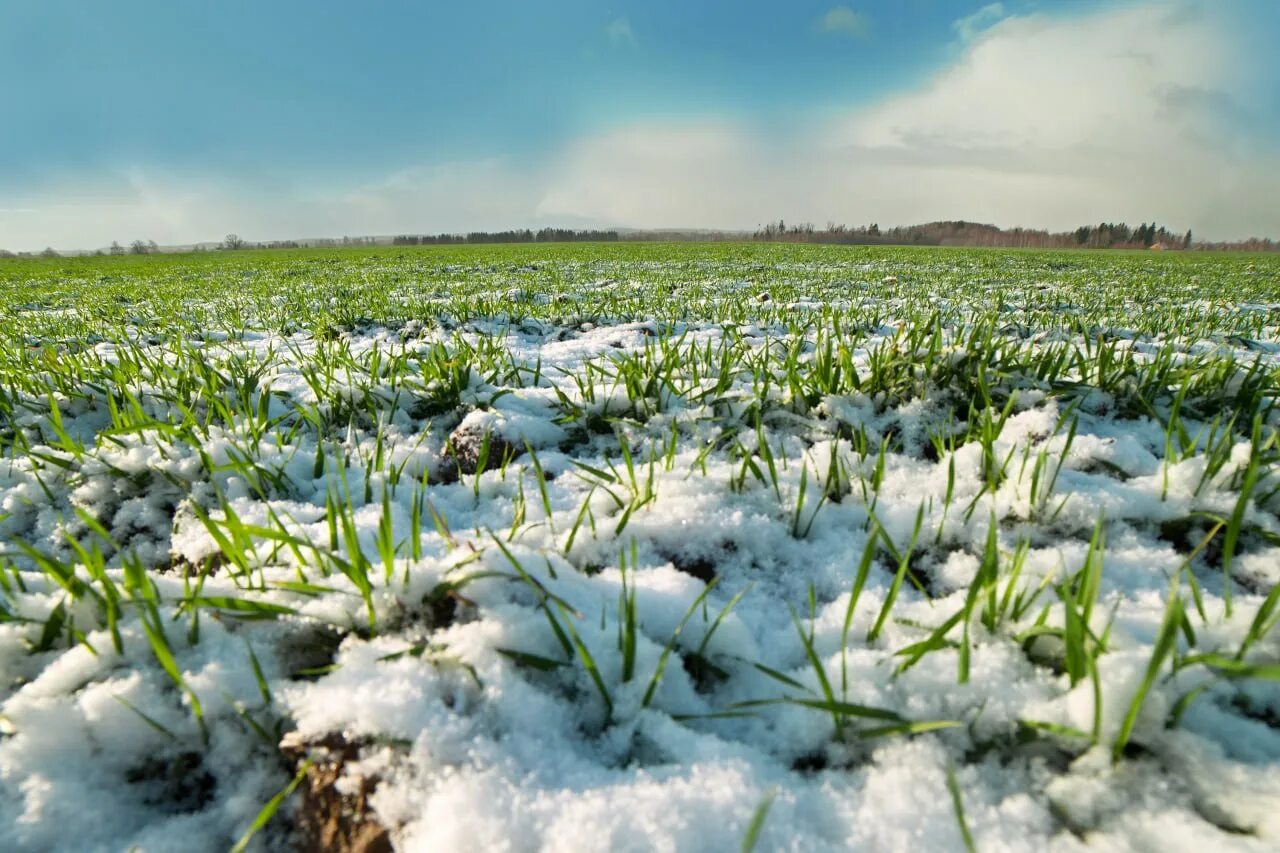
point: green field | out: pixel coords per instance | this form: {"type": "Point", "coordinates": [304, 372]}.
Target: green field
{"type": "Point", "coordinates": [640, 546]}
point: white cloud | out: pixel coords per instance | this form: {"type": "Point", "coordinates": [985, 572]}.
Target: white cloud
{"type": "Point", "coordinates": [841, 20]}
{"type": "Point", "coordinates": [971, 26]}
{"type": "Point", "coordinates": [1044, 121]}
{"type": "Point", "coordinates": [654, 174]}
{"type": "Point", "coordinates": [619, 31]}
{"type": "Point", "coordinates": [1120, 114]}
{"type": "Point", "coordinates": [1043, 83]}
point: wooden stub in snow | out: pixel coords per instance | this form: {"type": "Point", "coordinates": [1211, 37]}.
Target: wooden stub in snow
{"type": "Point", "coordinates": [326, 819]}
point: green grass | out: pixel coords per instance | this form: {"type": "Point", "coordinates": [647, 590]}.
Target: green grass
{"type": "Point", "coordinates": [237, 376]}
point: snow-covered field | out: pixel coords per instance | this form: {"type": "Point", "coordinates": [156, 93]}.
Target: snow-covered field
{"type": "Point", "coordinates": [640, 548]}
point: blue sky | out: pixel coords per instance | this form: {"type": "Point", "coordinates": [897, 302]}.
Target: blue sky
{"type": "Point", "coordinates": [181, 120]}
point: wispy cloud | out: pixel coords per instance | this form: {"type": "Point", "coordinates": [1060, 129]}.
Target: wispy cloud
{"type": "Point", "coordinates": [971, 26]}
{"type": "Point", "coordinates": [842, 21]}
{"type": "Point", "coordinates": [619, 31]}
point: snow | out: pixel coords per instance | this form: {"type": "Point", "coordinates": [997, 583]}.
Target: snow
{"type": "Point", "coordinates": [474, 750]}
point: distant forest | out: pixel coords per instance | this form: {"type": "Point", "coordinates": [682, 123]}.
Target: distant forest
{"type": "Point", "coordinates": [545, 235]}
{"type": "Point", "coordinates": [1105, 235]}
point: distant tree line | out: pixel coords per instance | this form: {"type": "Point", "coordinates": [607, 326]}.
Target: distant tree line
{"type": "Point", "coordinates": [1253, 244]}
{"type": "Point", "coordinates": [688, 235]}
{"type": "Point", "coordinates": [524, 235]}
{"type": "Point", "coordinates": [1105, 235]}
{"type": "Point", "coordinates": [233, 242]}
{"type": "Point", "coordinates": [1109, 235]}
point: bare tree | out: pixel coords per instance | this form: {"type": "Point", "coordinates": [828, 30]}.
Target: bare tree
{"type": "Point", "coordinates": [139, 247]}
{"type": "Point", "coordinates": [116, 248]}
{"type": "Point", "coordinates": [50, 252]}
{"type": "Point", "coordinates": [232, 242]}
